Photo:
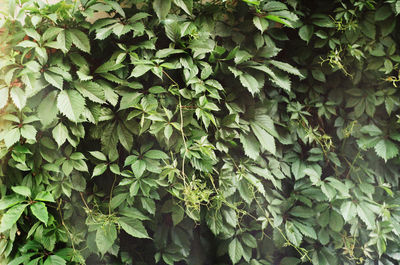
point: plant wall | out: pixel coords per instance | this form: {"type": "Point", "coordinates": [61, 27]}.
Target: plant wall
{"type": "Point", "coordinates": [200, 132]}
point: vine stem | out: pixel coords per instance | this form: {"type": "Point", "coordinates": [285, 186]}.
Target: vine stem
{"type": "Point", "coordinates": [84, 201]}
{"type": "Point", "coordinates": [111, 194]}
{"type": "Point", "coordinates": [64, 225]}
{"type": "Point", "coordinates": [181, 128]}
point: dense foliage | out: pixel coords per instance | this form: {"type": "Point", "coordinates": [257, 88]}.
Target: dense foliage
{"type": "Point", "coordinates": [200, 132]}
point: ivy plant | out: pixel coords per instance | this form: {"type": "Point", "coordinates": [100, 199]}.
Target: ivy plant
{"type": "Point", "coordinates": [199, 132]}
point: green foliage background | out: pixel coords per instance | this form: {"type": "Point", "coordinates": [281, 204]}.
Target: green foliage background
{"type": "Point", "coordinates": [200, 132]}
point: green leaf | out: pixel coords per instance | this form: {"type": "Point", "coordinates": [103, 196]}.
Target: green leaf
{"type": "Point", "coordinates": [54, 79]}
{"type": "Point", "coordinates": [116, 7]}
{"type": "Point", "coordinates": [99, 169]}
{"type": "Point", "coordinates": [47, 110]}
{"type": "Point", "coordinates": [11, 217]}
{"type": "Point", "coordinates": [18, 97]}
{"type": "Point", "coordinates": [3, 97]}
{"type": "Point", "coordinates": [366, 215]}
{"type": "Point", "coordinates": [9, 201]}
{"type": "Point", "coordinates": [79, 39]}
{"type": "Point", "coordinates": [92, 91]}
{"type": "Point", "coordinates": [249, 82]}
{"type": "Point", "coordinates": [383, 13]}
{"type": "Point", "coordinates": [156, 154]}
{"type": "Point", "coordinates": [60, 134]}
{"type": "Point", "coordinates": [105, 237]}
{"type": "Point", "coordinates": [371, 129]}
{"type": "Point", "coordinates": [242, 56]}
{"type": "Point", "coordinates": [255, 182]}
{"type": "Point", "coordinates": [265, 139]}
{"type": "Point", "coordinates": [39, 210]}
{"type": "Point", "coordinates": [260, 23]}
{"type": "Point", "coordinates": [44, 196]}
{"type": "Point", "coordinates": [138, 168]}
{"type": "Point", "coordinates": [22, 190]}
{"type": "Point", "coordinates": [306, 32]}
{"type": "Point", "coordinates": [290, 261]}
{"type": "Point", "coordinates": [140, 70]}
{"type": "Point", "coordinates": [50, 33]}
{"type": "Point", "coordinates": [186, 5]}
{"type": "Point", "coordinates": [286, 67]}
{"type": "Point", "coordinates": [162, 8]}
{"type": "Point", "coordinates": [306, 230]}
{"type": "Point", "coordinates": [235, 250]}
{"type": "Point", "coordinates": [99, 155]}
{"type": "Point", "coordinates": [386, 149]}
{"type": "Point", "coordinates": [348, 210]}
{"type": "Point", "coordinates": [249, 240]}
{"type": "Point", "coordinates": [335, 221]}
{"type": "Point", "coordinates": [133, 227]}
{"type": "Point", "coordinates": [55, 260]}
{"type": "Point", "coordinates": [28, 132]}
{"type": "Point", "coordinates": [11, 137]}
{"type": "Point", "coordinates": [71, 104]}
{"type": "Point", "coordinates": [250, 145]}
{"type": "Point", "coordinates": [230, 216]}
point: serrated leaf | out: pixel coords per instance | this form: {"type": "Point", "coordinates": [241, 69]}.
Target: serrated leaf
{"type": "Point", "coordinates": [99, 155]}
{"type": "Point", "coordinates": [92, 91]}
{"type": "Point", "coordinates": [39, 210]}
{"type": "Point", "coordinates": [348, 210]}
{"type": "Point", "coordinates": [9, 201]}
{"type": "Point", "coordinates": [242, 56]}
{"type": "Point", "coordinates": [186, 5]}
{"type": "Point", "coordinates": [335, 221]}
{"type": "Point", "coordinates": [386, 149]}
{"type": "Point", "coordinates": [50, 33]}
{"type": "Point", "coordinates": [55, 260]}
{"type": "Point", "coordinates": [260, 23]}
{"type": "Point", "coordinates": [28, 132]}
{"type": "Point", "coordinates": [230, 216]}
{"type": "Point", "coordinates": [282, 81]}
{"type": "Point", "coordinates": [306, 230]}
{"type": "Point", "coordinates": [11, 217]}
{"type": "Point", "coordinates": [255, 182]}
{"type": "Point", "coordinates": [18, 97]}
{"type": "Point", "coordinates": [251, 146]}
{"type": "Point", "coordinates": [266, 140]}
{"type": "Point", "coordinates": [79, 39]}
{"type": "Point", "coordinates": [60, 134]}
{"type": "Point", "coordinates": [99, 169]}
{"type": "Point", "coordinates": [105, 237]}
{"type": "Point", "coordinates": [133, 227]}
{"type": "Point", "coordinates": [44, 196]}
{"type": "Point", "coordinates": [138, 167]}
{"type": "Point", "coordinates": [235, 250]}
{"type": "Point", "coordinates": [249, 82]}
{"type": "Point", "coordinates": [156, 154]}
{"type": "Point", "coordinates": [54, 79]}
{"type": "Point", "coordinates": [71, 104]}
{"type": "Point", "coordinates": [366, 215]}
{"type": "Point", "coordinates": [286, 67]}
{"type": "Point", "coordinates": [3, 97]}
{"type": "Point", "coordinates": [162, 8]}
{"type": "Point", "coordinates": [47, 110]}
{"type": "Point", "coordinates": [383, 13]}
{"type": "Point", "coordinates": [22, 190]}
{"type": "Point", "coordinates": [306, 32]}
{"type": "Point", "coordinates": [140, 70]}
{"type": "Point", "coordinates": [11, 137]}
